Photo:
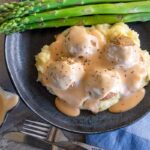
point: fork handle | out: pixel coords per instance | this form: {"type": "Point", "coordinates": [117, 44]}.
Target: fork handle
{"type": "Point", "coordinates": [87, 146]}
{"type": "Point", "coordinates": [73, 145]}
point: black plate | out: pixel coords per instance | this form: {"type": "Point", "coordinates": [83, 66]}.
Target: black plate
{"type": "Point", "coordinates": [20, 49]}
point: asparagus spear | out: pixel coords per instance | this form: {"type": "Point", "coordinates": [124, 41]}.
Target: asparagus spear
{"type": "Point", "coordinates": [7, 6]}
{"type": "Point", "coordinates": [12, 5]}
{"type": "Point", "coordinates": [84, 20]}
{"type": "Point", "coordinates": [28, 7]}
{"type": "Point", "coordinates": [117, 8]}
{"type": "Point", "coordinates": [91, 20]}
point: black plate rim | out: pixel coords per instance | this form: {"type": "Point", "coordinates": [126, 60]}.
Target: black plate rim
{"type": "Point", "coordinates": [66, 129]}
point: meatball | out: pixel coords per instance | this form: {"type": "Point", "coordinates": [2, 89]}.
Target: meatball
{"type": "Point", "coordinates": [62, 74]}
{"type": "Point", "coordinates": [100, 83]}
{"type": "Point", "coordinates": [79, 42]}
{"type": "Point", "coordinates": [122, 52]}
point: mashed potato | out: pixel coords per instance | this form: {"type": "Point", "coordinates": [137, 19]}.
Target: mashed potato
{"type": "Point", "coordinates": [42, 59]}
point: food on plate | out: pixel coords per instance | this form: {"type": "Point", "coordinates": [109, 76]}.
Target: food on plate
{"type": "Point", "coordinates": [95, 68]}
{"type": "Point", "coordinates": [128, 102]}
{"type": "Point", "coordinates": [7, 102]}
{"type": "Point", "coordinates": [28, 15]}
{"type": "Point", "coordinates": [64, 73]}
{"type": "Point", "coordinates": [88, 46]}
{"type": "Point", "coordinates": [71, 110]}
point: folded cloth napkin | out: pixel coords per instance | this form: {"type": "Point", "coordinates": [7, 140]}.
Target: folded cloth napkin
{"type": "Point", "coordinates": [132, 137]}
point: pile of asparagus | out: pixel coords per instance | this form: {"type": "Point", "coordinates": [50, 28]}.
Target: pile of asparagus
{"type": "Point", "coordinates": [33, 14]}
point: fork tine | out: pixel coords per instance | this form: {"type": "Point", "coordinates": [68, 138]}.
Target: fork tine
{"type": "Point", "coordinates": [34, 135]}
{"type": "Point", "coordinates": [36, 131]}
{"type": "Point", "coordinates": [38, 123]}
{"type": "Point", "coordinates": [37, 127]}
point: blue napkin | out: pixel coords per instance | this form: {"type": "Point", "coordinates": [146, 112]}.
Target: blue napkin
{"type": "Point", "coordinates": [133, 137]}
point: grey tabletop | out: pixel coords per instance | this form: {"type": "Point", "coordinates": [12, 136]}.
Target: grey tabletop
{"type": "Point", "coordinates": [17, 116]}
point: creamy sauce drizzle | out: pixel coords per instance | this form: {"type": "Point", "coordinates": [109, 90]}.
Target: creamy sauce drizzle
{"type": "Point", "coordinates": [73, 98]}
{"type": "Point", "coordinates": [2, 110]}
{"type": "Point", "coordinates": [128, 102]}
{"type": "Point", "coordinates": [66, 108]}
{"type": "Point", "coordinates": [7, 102]}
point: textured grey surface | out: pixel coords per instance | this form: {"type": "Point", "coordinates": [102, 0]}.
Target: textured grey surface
{"type": "Point", "coordinates": [12, 120]}
{"type": "Point", "coordinates": [16, 117]}
{"type": "Point", "coordinates": [20, 113]}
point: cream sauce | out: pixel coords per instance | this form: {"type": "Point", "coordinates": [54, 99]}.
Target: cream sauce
{"type": "Point", "coordinates": [92, 105]}
{"type": "Point", "coordinates": [7, 102]}
{"type": "Point", "coordinates": [76, 95]}
{"type": "Point", "coordinates": [66, 108]}
{"type": "Point", "coordinates": [133, 78]}
{"type": "Point", "coordinates": [2, 110]}
{"type": "Point", "coordinates": [128, 102]}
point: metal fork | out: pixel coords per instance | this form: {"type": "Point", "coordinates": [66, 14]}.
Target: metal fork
{"type": "Point", "coordinates": [42, 131]}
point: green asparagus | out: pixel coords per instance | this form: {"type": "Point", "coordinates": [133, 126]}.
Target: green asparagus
{"type": "Point", "coordinates": [84, 20]}
{"type": "Point", "coordinates": [117, 8]}
{"type": "Point", "coordinates": [57, 3]}
{"type": "Point", "coordinates": [29, 7]}
{"type": "Point", "coordinates": [10, 6]}
{"type": "Point", "coordinates": [91, 20]}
